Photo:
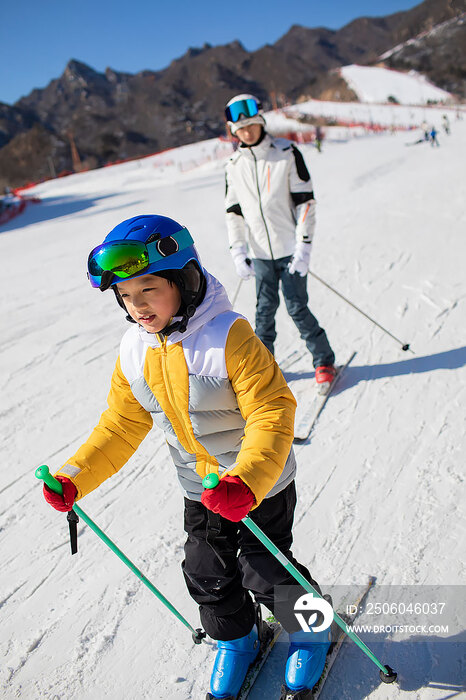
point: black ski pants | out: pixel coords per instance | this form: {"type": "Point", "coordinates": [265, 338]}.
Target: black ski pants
{"type": "Point", "coordinates": [221, 575]}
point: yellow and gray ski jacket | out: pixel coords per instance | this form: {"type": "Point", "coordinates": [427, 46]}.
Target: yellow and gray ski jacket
{"type": "Point", "coordinates": [215, 391]}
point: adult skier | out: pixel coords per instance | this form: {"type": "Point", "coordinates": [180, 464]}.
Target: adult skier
{"type": "Point", "coordinates": [425, 130]}
{"type": "Point", "coordinates": [270, 207]}
{"type": "Point", "coordinates": [319, 138]}
{"type": "Point", "coordinates": [195, 368]}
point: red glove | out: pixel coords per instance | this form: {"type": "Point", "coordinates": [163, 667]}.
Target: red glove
{"type": "Point", "coordinates": [65, 502]}
{"type": "Point", "coordinates": [231, 498]}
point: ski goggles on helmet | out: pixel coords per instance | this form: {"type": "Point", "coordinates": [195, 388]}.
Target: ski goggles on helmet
{"type": "Point", "coordinates": [128, 257]}
{"type": "Point", "coordinates": [246, 108]}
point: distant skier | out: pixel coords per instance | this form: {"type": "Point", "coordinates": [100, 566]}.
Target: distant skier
{"type": "Point", "coordinates": [425, 130]}
{"type": "Point", "coordinates": [446, 124]}
{"type": "Point", "coordinates": [196, 368]}
{"type": "Point", "coordinates": [319, 138]}
{"type": "Point", "coordinates": [433, 137]}
{"type": "Point", "coordinates": [270, 205]}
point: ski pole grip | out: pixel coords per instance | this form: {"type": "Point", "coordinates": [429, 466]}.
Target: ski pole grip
{"type": "Point", "coordinates": [50, 481]}
{"type": "Point", "coordinates": [210, 481]}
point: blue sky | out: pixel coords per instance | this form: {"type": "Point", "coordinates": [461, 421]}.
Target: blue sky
{"type": "Point", "coordinates": [37, 39]}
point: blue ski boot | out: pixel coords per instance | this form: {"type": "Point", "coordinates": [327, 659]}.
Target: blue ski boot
{"type": "Point", "coordinates": [306, 659]}
{"type": "Point", "coordinates": [231, 664]}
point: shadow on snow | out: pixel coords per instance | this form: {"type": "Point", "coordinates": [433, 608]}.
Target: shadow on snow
{"type": "Point", "coordinates": [420, 661]}
{"type": "Point", "coordinates": [54, 208]}
{"type": "Point", "coordinates": [449, 359]}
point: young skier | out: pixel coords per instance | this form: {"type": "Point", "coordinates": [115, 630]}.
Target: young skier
{"type": "Point", "coordinates": [270, 205]}
{"type": "Point", "coordinates": [195, 368]}
{"type": "Point", "coordinates": [433, 137]}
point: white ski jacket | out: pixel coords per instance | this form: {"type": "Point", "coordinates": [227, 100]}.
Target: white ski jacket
{"type": "Point", "coordinates": [269, 198]}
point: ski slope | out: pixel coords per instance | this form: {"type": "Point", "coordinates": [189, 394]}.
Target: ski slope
{"type": "Point", "coordinates": [376, 84]}
{"type": "Point", "coordinates": [373, 86]}
{"type": "Point", "coordinates": [380, 482]}
{"type": "Point", "coordinates": [384, 115]}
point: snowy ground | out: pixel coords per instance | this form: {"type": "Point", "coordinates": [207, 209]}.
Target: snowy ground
{"type": "Point", "coordinates": [381, 482]}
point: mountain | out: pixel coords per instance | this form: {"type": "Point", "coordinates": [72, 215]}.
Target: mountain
{"type": "Point", "coordinates": [437, 53]}
{"type": "Point", "coordinates": [103, 117]}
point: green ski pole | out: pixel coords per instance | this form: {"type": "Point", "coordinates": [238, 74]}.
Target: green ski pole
{"type": "Point", "coordinates": [387, 674]}
{"type": "Point", "coordinates": [54, 485]}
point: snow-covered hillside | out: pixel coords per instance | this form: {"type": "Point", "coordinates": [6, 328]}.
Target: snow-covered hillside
{"type": "Point", "coordinates": [380, 482]}
{"type": "Point", "coordinates": [375, 84]}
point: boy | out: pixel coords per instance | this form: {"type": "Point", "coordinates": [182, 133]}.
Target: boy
{"type": "Point", "coordinates": [269, 195]}
{"type": "Point", "coordinates": [196, 369]}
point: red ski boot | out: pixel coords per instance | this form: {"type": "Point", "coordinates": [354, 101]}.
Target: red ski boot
{"type": "Point", "coordinates": [325, 374]}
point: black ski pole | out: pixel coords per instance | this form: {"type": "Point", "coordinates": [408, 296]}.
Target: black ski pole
{"type": "Point", "coordinates": [235, 295]}
{"type": "Point", "coordinates": [404, 346]}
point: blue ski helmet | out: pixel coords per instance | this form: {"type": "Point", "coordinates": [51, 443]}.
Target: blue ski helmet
{"type": "Point", "coordinates": [140, 246]}
{"type": "Point", "coordinates": [150, 244]}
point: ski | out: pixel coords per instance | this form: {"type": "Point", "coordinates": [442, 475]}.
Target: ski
{"type": "Point", "coordinates": [338, 637]}
{"type": "Point", "coordinates": [289, 360]}
{"type": "Point", "coordinates": [310, 408]}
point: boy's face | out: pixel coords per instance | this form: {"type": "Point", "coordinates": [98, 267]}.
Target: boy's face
{"type": "Point", "coordinates": [150, 301]}
{"type": "Point", "coordinates": [249, 134]}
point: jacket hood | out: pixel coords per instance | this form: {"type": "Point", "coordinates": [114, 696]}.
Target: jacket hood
{"type": "Point", "coordinates": [214, 303]}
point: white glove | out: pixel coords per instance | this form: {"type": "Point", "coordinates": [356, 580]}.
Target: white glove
{"type": "Point", "coordinates": [243, 265]}
{"type": "Point", "coordinates": [300, 261]}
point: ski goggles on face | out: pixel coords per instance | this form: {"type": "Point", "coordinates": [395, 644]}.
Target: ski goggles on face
{"type": "Point", "coordinates": [127, 258]}
{"type": "Point", "coordinates": [247, 108]}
